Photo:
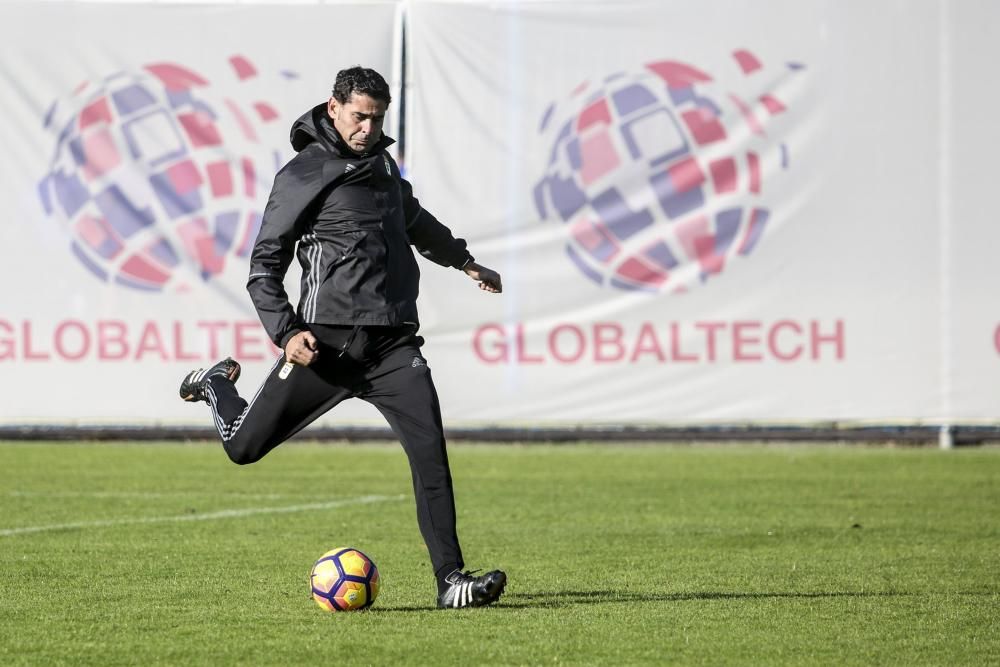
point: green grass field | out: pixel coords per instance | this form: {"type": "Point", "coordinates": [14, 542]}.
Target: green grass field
{"type": "Point", "coordinates": [167, 554]}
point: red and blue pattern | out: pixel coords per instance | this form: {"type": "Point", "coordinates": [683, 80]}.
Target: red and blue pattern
{"type": "Point", "coordinates": [658, 175]}
{"type": "Point", "coordinates": [153, 174]}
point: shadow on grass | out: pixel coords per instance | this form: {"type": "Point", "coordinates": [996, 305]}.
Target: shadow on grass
{"type": "Point", "coordinates": [558, 599]}
{"type": "Point", "coordinates": [567, 598]}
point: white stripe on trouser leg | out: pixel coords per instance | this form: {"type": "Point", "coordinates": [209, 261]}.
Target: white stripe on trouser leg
{"type": "Point", "coordinates": [213, 403]}
{"type": "Point", "coordinates": [227, 432]}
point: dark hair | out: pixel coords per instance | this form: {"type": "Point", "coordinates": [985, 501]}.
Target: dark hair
{"type": "Point", "coordinates": [363, 81]}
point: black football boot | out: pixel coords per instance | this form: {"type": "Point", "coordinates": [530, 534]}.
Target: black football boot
{"type": "Point", "coordinates": [195, 383]}
{"type": "Point", "coordinates": [462, 589]}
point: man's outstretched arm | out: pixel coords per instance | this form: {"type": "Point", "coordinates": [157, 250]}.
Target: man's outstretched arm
{"type": "Point", "coordinates": [432, 239]}
{"type": "Point", "coordinates": [435, 242]}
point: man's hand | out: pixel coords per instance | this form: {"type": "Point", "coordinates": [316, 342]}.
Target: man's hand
{"type": "Point", "coordinates": [301, 349]}
{"type": "Point", "coordinates": [489, 279]}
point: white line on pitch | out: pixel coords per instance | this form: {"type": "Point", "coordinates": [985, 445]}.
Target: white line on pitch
{"type": "Point", "coordinates": [145, 494]}
{"type": "Point", "coordinates": [210, 516]}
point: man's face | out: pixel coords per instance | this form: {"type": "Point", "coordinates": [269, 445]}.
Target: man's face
{"type": "Point", "coordinates": [358, 120]}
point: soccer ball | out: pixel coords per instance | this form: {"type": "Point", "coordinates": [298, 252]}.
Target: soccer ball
{"type": "Point", "coordinates": [344, 579]}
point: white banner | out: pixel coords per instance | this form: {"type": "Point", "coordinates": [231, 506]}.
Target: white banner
{"type": "Point", "coordinates": [709, 212]}
{"type": "Point", "coordinates": [704, 212]}
{"type": "Point", "coordinates": [140, 143]}
{"type": "Point", "coordinates": [970, 272]}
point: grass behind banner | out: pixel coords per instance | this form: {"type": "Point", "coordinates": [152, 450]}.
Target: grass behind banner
{"type": "Point", "coordinates": [616, 554]}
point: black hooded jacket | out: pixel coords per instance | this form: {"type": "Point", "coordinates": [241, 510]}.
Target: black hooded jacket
{"type": "Point", "coordinates": [354, 219]}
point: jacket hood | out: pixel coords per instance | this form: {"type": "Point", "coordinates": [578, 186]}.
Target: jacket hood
{"type": "Point", "coordinates": [315, 126]}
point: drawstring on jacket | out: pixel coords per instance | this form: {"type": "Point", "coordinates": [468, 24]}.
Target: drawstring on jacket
{"type": "Point", "coordinates": [350, 340]}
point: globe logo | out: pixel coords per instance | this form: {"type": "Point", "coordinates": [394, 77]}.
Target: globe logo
{"type": "Point", "coordinates": [156, 176]}
{"type": "Point", "coordinates": [659, 175]}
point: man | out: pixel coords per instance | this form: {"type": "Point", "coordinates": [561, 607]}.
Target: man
{"type": "Point", "coordinates": [342, 202]}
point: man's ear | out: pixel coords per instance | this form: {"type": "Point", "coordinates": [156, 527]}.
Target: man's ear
{"type": "Point", "coordinates": [332, 107]}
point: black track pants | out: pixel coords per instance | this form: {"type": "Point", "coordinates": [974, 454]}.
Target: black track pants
{"type": "Point", "coordinates": [381, 365]}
